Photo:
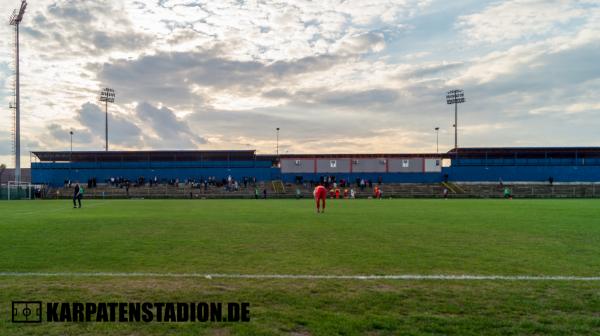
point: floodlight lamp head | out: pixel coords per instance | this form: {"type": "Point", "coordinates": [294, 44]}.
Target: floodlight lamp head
{"type": "Point", "coordinates": [455, 97]}
{"type": "Point", "coordinates": [16, 18]}
{"type": "Point", "coordinates": [107, 95]}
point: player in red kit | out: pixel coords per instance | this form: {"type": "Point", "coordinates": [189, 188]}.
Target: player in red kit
{"type": "Point", "coordinates": [320, 196]}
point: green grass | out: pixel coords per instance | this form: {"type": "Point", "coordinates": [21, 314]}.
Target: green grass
{"type": "Point", "coordinates": [484, 237]}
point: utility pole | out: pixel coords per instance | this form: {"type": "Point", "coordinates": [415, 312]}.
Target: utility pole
{"type": "Point", "coordinates": [277, 143]}
{"type": "Point", "coordinates": [437, 140]}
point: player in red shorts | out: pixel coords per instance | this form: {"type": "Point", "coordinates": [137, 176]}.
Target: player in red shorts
{"type": "Point", "coordinates": [320, 196]}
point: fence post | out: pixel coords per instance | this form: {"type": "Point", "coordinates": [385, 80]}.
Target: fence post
{"type": "Point", "coordinates": [532, 194]}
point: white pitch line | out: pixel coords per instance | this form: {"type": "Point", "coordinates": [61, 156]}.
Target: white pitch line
{"type": "Point", "coordinates": [41, 212]}
{"type": "Point", "coordinates": [467, 277]}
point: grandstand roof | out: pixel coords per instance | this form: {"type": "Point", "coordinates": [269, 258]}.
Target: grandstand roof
{"type": "Point", "coordinates": [161, 155]}
{"type": "Point", "coordinates": [527, 152]}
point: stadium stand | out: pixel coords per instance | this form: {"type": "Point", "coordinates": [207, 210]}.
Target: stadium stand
{"type": "Point", "coordinates": [525, 164]}
{"type": "Point", "coordinates": [56, 168]}
{"type": "Point", "coordinates": [468, 172]}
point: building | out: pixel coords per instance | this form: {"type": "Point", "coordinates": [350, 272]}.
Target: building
{"type": "Point", "coordinates": [388, 168]}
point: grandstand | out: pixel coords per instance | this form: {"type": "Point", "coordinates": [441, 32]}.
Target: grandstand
{"type": "Point", "coordinates": [54, 168]}
{"type": "Point", "coordinates": [525, 164]}
{"type": "Point", "coordinates": [468, 172]}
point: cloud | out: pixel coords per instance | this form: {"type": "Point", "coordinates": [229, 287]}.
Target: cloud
{"type": "Point", "coordinates": [361, 43]}
{"type": "Point", "coordinates": [121, 41]}
{"type": "Point", "coordinates": [71, 10]}
{"type": "Point", "coordinates": [168, 129]}
{"type": "Point", "coordinates": [122, 131]}
{"type": "Point", "coordinates": [70, 28]}
{"type": "Point", "coordinates": [170, 78]}
{"type": "Point", "coordinates": [516, 19]}
{"type": "Point", "coordinates": [5, 144]}
{"type": "Point", "coordinates": [61, 134]}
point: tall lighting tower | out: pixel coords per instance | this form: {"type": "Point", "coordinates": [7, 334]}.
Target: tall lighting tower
{"type": "Point", "coordinates": [455, 97]}
{"type": "Point", "coordinates": [15, 20]}
{"type": "Point", "coordinates": [107, 95]}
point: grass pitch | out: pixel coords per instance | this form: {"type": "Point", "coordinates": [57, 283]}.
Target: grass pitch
{"type": "Point", "coordinates": [354, 237]}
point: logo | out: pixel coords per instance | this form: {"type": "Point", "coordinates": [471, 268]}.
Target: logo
{"type": "Point", "coordinates": [31, 312]}
{"type": "Point", "coordinates": [27, 311]}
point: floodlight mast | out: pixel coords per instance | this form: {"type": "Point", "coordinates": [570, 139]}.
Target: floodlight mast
{"type": "Point", "coordinates": [455, 97]}
{"type": "Point", "coordinates": [107, 95]}
{"type": "Point", "coordinates": [15, 20]}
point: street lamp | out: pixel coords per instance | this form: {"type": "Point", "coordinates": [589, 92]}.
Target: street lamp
{"type": "Point", "coordinates": [455, 97]}
{"type": "Point", "coordinates": [107, 95]}
{"type": "Point", "coordinates": [437, 140]}
{"type": "Point", "coordinates": [277, 145]}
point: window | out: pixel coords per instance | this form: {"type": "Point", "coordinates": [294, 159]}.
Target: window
{"type": "Point", "coordinates": [297, 162]}
{"type": "Point", "coordinates": [383, 161]}
{"type": "Point", "coordinates": [437, 163]}
{"type": "Point", "coordinates": [405, 163]}
{"type": "Point", "coordinates": [333, 163]}
{"type": "Point", "coordinates": [355, 162]}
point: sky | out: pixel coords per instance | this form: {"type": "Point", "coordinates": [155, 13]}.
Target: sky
{"type": "Point", "coordinates": [353, 76]}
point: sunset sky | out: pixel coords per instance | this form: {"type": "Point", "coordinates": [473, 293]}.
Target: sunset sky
{"type": "Point", "coordinates": [335, 76]}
